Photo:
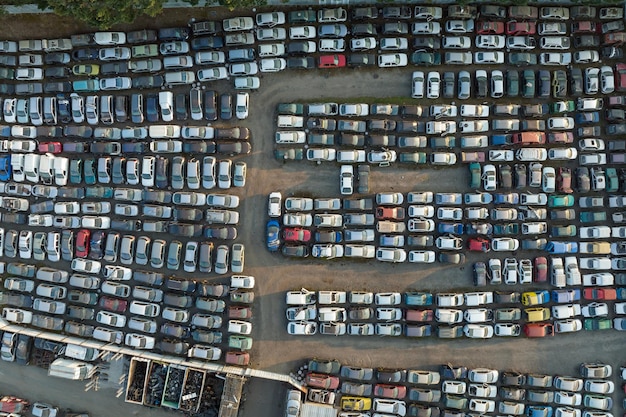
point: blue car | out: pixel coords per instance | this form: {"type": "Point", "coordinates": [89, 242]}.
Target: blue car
{"type": "Point", "coordinates": [454, 228]}
{"type": "Point", "coordinates": [565, 296]}
{"type": "Point", "coordinates": [508, 198]}
{"type": "Point", "coordinates": [5, 168]}
{"type": "Point", "coordinates": [418, 298]}
{"type": "Point", "coordinates": [539, 411]}
{"type": "Point", "coordinates": [562, 247]}
{"type": "Point", "coordinates": [273, 231]}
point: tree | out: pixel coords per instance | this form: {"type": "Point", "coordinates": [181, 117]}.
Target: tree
{"type": "Point", "coordinates": [241, 4]}
{"type": "Point", "coordinates": [105, 13]}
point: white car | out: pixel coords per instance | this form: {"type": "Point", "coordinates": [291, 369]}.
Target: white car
{"type": "Point", "coordinates": [304, 328]}
{"type": "Point", "coordinates": [273, 64]}
{"type": "Point", "coordinates": [473, 110]}
{"type": "Point", "coordinates": [271, 34]}
{"type": "Point", "coordinates": [456, 42]}
{"type": "Point", "coordinates": [363, 44]}
{"type": "Point", "coordinates": [353, 109]}
{"type": "Point", "coordinates": [502, 244]}
{"type": "Point", "coordinates": [332, 45]}
{"type": "Point", "coordinates": [488, 57]}
{"type": "Point", "coordinates": [274, 204]}
{"type": "Point", "coordinates": [302, 32]}
{"type": "Point", "coordinates": [86, 266]}
{"type": "Point", "coordinates": [392, 60]}
{"type": "Point", "coordinates": [490, 41]}
{"type": "Point", "coordinates": [556, 58]}
{"type": "Point", "coordinates": [433, 85]}
{"type": "Point", "coordinates": [212, 74]}
{"type": "Point", "coordinates": [422, 256]}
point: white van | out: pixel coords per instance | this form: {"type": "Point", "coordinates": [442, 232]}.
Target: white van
{"type": "Point", "coordinates": [81, 352]}
{"type": "Point", "coordinates": [50, 110]}
{"type": "Point", "coordinates": [166, 103]}
{"type": "Point", "coordinates": [557, 275]}
{"type": "Point", "coordinates": [106, 109]}
{"type": "Point", "coordinates": [164, 131]}
{"type": "Point", "coordinates": [31, 167]}
{"type": "Point", "coordinates": [35, 111]}
{"type": "Point", "coordinates": [46, 168]}
{"type": "Point", "coordinates": [106, 335]}
{"type": "Point", "coordinates": [241, 107]}
{"type": "Point", "coordinates": [61, 166]}
{"type": "Point", "coordinates": [301, 297]}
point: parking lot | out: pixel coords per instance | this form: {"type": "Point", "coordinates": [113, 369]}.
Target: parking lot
{"type": "Point", "coordinates": [273, 349]}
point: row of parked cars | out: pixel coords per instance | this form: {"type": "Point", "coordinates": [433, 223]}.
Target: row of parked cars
{"type": "Point", "coordinates": [453, 390]}
{"type": "Point", "coordinates": [98, 308]}
{"type": "Point", "coordinates": [527, 313]}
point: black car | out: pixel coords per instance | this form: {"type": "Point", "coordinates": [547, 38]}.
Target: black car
{"type": "Point", "coordinates": [301, 63]}
{"type": "Point", "coordinates": [126, 225]}
{"type": "Point", "coordinates": [206, 28]}
{"type": "Point", "coordinates": [185, 230]}
{"type": "Point", "coordinates": [395, 28]}
{"type": "Point", "coordinates": [106, 148]}
{"type": "Point", "coordinates": [22, 351]}
{"type": "Point", "coordinates": [86, 54]}
{"type": "Point", "coordinates": [188, 214]}
{"type": "Point", "coordinates": [300, 48]}
{"type": "Point", "coordinates": [612, 52]}
{"type": "Point", "coordinates": [233, 148]}
{"type": "Point", "coordinates": [576, 81]}
{"type": "Point", "coordinates": [141, 36]}
{"type": "Point", "coordinates": [114, 68]}
{"type": "Point", "coordinates": [173, 34]}
{"type": "Point", "coordinates": [543, 84]}
{"type": "Point", "coordinates": [161, 172]}
{"type": "Point", "coordinates": [61, 87]}
{"type": "Point", "coordinates": [240, 133]}
{"type": "Point", "coordinates": [164, 197]}
{"type": "Point", "coordinates": [199, 146]}
{"type": "Point", "coordinates": [297, 251]}
{"type": "Point", "coordinates": [56, 58]}
{"type": "Point", "coordinates": [361, 60]}
{"type": "Point", "coordinates": [96, 250]}
{"type": "Point", "coordinates": [79, 131]}
{"type": "Point", "coordinates": [121, 108]}
{"type": "Point", "coordinates": [210, 105]}
{"type": "Point", "coordinates": [586, 41]}
{"type": "Point", "coordinates": [397, 12]}
{"type": "Point", "coordinates": [426, 42]}
{"type": "Point", "coordinates": [75, 147]}
{"type": "Point", "coordinates": [364, 29]}
{"type": "Point", "coordinates": [152, 108]}
{"type": "Point", "coordinates": [226, 106]}
{"type": "Point", "coordinates": [181, 107]}
{"type": "Point", "coordinates": [187, 286]}
{"type": "Point", "coordinates": [207, 42]}
{"type": "Point", "coordinates": [148, 81]}
{"type": "Point", "coordinates": [63, 109]}
{"type": "Point", "coordinates": [362, 13]}
{"type": "Point", "coordinates": [134, 147]}
{"type": "Point", "coordinates": [56, 72]}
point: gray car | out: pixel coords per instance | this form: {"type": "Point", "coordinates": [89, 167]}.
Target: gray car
{"type": "Point", "coordinates": [173, 254]}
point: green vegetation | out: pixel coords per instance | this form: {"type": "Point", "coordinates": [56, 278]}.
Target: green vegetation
{"type": "Point", "coordinates": [105, 13]}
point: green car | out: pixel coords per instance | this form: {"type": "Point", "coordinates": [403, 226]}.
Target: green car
{"type": "Point", "coordinates": [612, 181]}
{"type": "Point", "coordinates": [302, 16]}
{"type": "Point", "coordinates": [413, 157]}
{"type": "Point", "coordinates": [426, 58]}
{"type": "Point", "coordinates": [99, 192]}
{"type": "Point", "coordinates": [592, 216]}
{"type": "Point", "coordinates": [76, 171]}
{"type": "Point", "coordinates": [562, 107]}
{"type": "Point", "coordinates": [240, 342]}
{"type": "Point", "coordinates": [560, 201]}
{"type": "Point", "coordinates": [475, 176]}
{"type": "Point", "coordinates": [90, 171]}
{"type": "Point", "coordinates": [598, 324]}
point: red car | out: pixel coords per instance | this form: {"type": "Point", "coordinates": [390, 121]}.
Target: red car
{"type": "Point", "coordinates": [478, 244]}
{"type": "Point", "coordinates": [332, 61]}
{"type": "Point", "coordinates": [82, 243]}
{"type": "Point", "coordinates": [390, 391]}
{"type": "Point", "coordinates": [600, 294]}
{"type": "Point", "coordinates": [296, 235]}
{"type": "Point", "coordinates": [322, 381]}
{"type": "Point", "coordinates": [488, 28]}
{"type": "Point", "coordinates": [521, 28]}
{"type": "Point", "coordinates": [418, 315]}
{"type": "Point", "coordinates": [390, 213]}
{"type": "Point", "coordinates": [239, 312]}
{"type": "Point", "coordinates": [564, 180]}
{"type": "Point", "coordinates": [538, 329]}
{"type": "Point", "coordinates": [113, 304]}
{"type": "Point", "coordinates": [584, 27]}
{"type": "Point", "coordinates": [50, 147]}
{"type": "Point", "coordinates": [541, 269]}
{"type": "Point", "coordinates": [620, 72]}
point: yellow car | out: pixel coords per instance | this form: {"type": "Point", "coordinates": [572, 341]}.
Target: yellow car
{"type": "Point", "coordinates": [356, 403]}
{"type": "Point", "coordinates": [86, 69]}
{"type": "Point", "coordinates": [537, 314]}
{"type": "Point", "coordinates": [533, 298]}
